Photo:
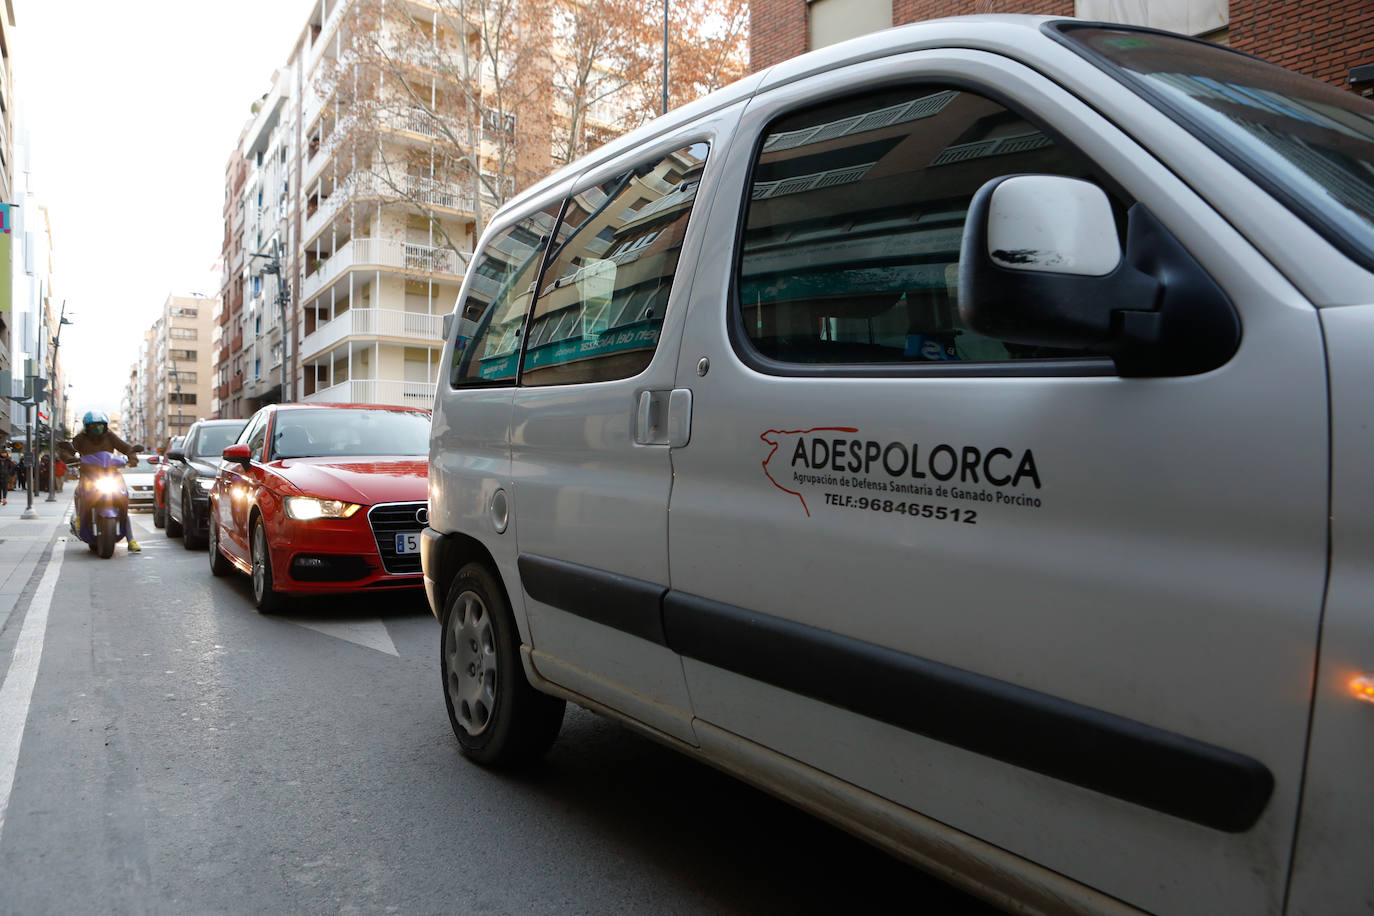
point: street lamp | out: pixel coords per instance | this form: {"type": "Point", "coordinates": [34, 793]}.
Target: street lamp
{"type": "Point", "coordinates": [52, 419]}
{"type": "Point", "coordinates": [665, 57]}
{"type": "Point", "coordinates": [273, 266]}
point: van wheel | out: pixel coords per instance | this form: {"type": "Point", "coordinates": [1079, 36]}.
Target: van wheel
{"type": "Point", "coordinates": [498, 718]}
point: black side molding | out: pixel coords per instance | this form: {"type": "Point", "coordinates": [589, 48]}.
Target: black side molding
{"type": "Point", "coordinates": [630, 605]}
{"type": "Point", "coordinates": [1088, 747]}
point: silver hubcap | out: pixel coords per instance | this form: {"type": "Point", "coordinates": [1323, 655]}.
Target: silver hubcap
{"type": "Point", "coordinates": [470, 651]}
{"type": "Point", "coordinates": [259, 563]}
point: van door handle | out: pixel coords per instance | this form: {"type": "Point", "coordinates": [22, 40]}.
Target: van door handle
{"type": "Point", "coordinates": [664, 418]}
{"type": "Point", "coordinates": [679, 417]}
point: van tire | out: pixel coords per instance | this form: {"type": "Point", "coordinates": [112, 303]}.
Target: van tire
{"type": "Point", "coordinates": [499, 719]}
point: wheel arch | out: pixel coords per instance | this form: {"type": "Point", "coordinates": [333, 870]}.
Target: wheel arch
{"type": "Point", "coordinates": [454, 550]}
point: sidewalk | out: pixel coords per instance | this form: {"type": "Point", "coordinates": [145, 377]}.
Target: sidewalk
{"type": "Point", "coordinates": [23, 540]}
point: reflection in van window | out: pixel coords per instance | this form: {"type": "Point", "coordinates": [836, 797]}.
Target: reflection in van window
{"type": "Point", "coordinates": [487, 348]}
{"type": "Point", "coordinates": [601, 305]}
{"type": "Point", "coordinates": [856, 213]}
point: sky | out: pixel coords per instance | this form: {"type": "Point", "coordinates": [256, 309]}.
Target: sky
{"type": "Point", "coordinates": [132, 110]}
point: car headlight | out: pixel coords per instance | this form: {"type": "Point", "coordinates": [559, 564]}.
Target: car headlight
{"type": "Point", "coordinates": [304, 508]}
{"type": "Point", "coordinates": [108, 485]}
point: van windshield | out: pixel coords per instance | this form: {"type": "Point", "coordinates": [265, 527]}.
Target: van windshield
{"type": "Point", "coordinates": [1308, 143]}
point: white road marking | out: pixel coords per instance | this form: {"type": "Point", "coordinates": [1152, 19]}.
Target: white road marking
{"type": "Point", "coordinates": [17, 691]}
{"type": "Point", "coordinates": [370, 634]}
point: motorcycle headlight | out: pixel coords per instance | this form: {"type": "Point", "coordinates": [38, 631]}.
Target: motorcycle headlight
{"type": "Point", "coordinates": [108, 485]}
{"type": "Point", "coordinates": [305, 508]}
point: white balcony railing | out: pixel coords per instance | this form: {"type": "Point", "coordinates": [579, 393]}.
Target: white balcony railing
{"type": "Point", "coordinates": [417, 328]}
{"type": "Point", "coordinates": [426, 124]}
{"type": "Point", "coordinates": [377, 391]}
{"type": "Point", "coordinates": [425, 191]}
{"type": "Point", "coordinates": [386, 254]}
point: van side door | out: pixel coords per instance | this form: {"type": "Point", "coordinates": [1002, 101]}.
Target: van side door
{"type": "Point", "coordinates": [1070, 613]}
{"type": "Point", "coordinates": [593, 420]}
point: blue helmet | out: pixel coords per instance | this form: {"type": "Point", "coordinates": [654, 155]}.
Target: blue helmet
{"type": "Point", "coordinates": [94, 423]}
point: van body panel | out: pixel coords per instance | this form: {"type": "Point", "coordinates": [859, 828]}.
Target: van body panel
{"type": "Point", "coordinates": [592, 495]}
{"type": "Point", "coordinates": [1070, 638]}
{"type": "Point", "coordinates": [1069, 598]}
{"type": "Point", "coordinates": [1335, 840]}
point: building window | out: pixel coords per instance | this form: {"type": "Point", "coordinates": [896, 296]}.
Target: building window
{"type": "Point", "coordinates": [182, 333]}
{"type": "Point", "coordinates": [833, 21]}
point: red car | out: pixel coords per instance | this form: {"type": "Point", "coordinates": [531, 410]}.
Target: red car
{"type": "Point", "coordinates": [322, 499]}
{"type": "Point", "coordinates": [160, 484]}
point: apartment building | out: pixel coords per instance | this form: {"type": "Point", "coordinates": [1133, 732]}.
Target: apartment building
{"type": "Point", "coordinates": [7, 29]}
{"type": "Point", "coordinates": [368, 169]}
{"type": "Point", "coordinates": [1332, 41]}
{"type": "Point", "coordinates": [170, 386]}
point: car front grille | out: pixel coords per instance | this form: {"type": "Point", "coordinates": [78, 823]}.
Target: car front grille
{"type": "Point", "coordinates": [389, 520]}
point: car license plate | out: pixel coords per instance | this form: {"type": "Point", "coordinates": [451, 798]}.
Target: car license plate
{"type": "Point", "coordinates": [408, 543]}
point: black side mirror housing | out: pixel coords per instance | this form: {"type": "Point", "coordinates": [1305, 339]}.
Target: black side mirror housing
{"type": "Point", "coordinates": [1034, 269]}
{"type": "Point", "coordinates": [175, 454]}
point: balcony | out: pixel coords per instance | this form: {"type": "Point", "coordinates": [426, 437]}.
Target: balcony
{"type": "Point", "coordinates": [376, 391]}
{"type": "Point", "coordinates": [384, 254]}
{"type": "Point", "coordinates": [424, 191]}
{"type": "Point", "coordinates": [326, 38]}
{"type": "Point", "coordinates": [426, 124]}
{"type": "Point", "coordinates": [412, 327]}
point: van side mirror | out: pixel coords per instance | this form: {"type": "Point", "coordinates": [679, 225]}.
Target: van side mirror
{"type": "Point", "coordinates": [1041, 263]}
{"type": "Point", "coordinates": [239, 453]}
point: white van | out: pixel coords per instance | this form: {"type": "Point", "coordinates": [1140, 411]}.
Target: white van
{"type": "Point", "coordinates": [963, 432]}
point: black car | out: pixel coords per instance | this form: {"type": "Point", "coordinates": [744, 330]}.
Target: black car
{"type": "Point", "coordinates": [190, 473]}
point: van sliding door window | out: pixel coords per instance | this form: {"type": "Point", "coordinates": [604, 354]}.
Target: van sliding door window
{"type": "Point", "coordinates": [486, 351]}
{"type": "Point", "coordinates": [856, 213]}
{"type": "Point", "coordinates": [601, 304]}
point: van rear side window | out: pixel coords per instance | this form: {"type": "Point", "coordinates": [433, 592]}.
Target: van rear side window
{"type": "Point", "coordinates": [602, 301]}
{"type": "Point", "coordinates": [856, 213]}
{"type": "Point", "coordinates": [487, 349]}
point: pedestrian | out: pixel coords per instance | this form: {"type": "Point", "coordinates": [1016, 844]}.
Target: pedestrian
{"type": "Point", "coordinates": [21, 471]}
{"type": "Point", "coordinates": [6, 472]}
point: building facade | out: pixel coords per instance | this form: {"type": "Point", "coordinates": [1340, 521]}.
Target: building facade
{"type": "Point", "coordinates": [171, 384]}
{"type": "Point", "coordinates": [8, 410]}
{"type": "Point", "coordinates": [355, 197]}
{"type": "Point", "coordinates": [1332, 41]}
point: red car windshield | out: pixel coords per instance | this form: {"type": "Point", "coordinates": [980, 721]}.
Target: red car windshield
{"type": "Point", "coordinates": [348, 432]}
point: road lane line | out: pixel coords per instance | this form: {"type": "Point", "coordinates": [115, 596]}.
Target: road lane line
{"type": "Point", "coordinates": [17, 691]}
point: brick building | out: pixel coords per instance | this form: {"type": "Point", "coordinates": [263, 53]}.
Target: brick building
{"type": "Point", "coordinates": [1332, 41]}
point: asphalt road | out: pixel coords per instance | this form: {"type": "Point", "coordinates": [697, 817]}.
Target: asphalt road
{"type": "Point", "coordinates": [184, 754]}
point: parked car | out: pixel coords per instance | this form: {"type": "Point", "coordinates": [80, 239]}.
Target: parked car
{"type": "Point", "coordinates": [139, 479]}
{"type": "Point", "coordinates": [160, 483]}
{"type": "Point", "coordinates": [191, 469]}
{"type": "Point", "coordinates": [322, 499]}
{"type": "Point", "coordinates": [962, 431]}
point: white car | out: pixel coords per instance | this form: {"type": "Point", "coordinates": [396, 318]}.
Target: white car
{"type": "Point", "coordinates": [962, 432]}
{"type": "Point", "coordinates": [139, 479]}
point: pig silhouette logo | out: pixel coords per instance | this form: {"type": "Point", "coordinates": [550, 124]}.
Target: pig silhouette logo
{"type": "Point", "coordinates": [777, 437]}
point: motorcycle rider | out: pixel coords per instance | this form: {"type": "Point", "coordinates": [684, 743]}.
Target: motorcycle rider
{"type": "Point", "coordinates": [95, 436]}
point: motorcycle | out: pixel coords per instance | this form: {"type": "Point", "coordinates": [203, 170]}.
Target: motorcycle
{"type": "Point", "coordinates": [104, 500]}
